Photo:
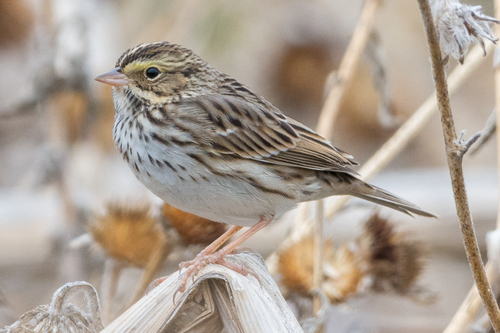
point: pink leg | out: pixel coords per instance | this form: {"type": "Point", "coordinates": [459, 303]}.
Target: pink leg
{"type": "Point", "coordinates": [212, 247]}
{"type": "Point", "coordinates": [206, 251]}
{"type": "Point", "coordinates": [201, 260]}
{"type": "Point", "coordinates": [246, 235]}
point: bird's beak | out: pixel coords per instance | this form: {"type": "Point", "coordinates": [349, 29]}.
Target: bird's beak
{"type": "Point", "coordinates": [113, 77]}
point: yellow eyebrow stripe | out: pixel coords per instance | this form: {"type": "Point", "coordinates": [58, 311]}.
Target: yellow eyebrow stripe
{"type": "Point", "coordinates": [139, 65]}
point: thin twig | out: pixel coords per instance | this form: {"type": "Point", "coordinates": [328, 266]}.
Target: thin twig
{"type": "Point", "coordinates": [347, 67]}
{"type": "Point", "coordinates": [388, 151]}
{"type": "Point", "coordinates": [318, 253]}
{"type": "Point", "coordinates": [455, 166]}
{"type": "Point", "coordinates": [109, 285]}
{"type": "Point", "coordinates": [487, 132]}
{"type": "Point", "coordinates": [464, 146]}
{"type": "Point", "coordinates": [386, 113]}
{"type": "Point", "coordinates": [154, 265]}
{"type": "Point", "coordinates": [315, 324]}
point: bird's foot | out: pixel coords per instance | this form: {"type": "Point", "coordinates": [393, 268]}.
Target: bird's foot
{"type": "Point", "coordinates": [156, 283]}
{"type": "Point", "coordinates": [195, 266]}
{"type": "Point", "coordinates": [208, 256]}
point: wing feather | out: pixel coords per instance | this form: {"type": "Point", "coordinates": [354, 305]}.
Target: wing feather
{"type": "Point", "coordinates": [259, 131]}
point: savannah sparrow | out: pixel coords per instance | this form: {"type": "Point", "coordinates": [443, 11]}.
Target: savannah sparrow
{"type": "Point", "coordinates": [206, 144]}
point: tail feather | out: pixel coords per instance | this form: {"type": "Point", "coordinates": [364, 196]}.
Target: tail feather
{"type": "Point", "coordinates": [382, 197]}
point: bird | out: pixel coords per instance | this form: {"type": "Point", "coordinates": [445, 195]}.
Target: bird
{"type": "Point", "coordinates": [208, 145]}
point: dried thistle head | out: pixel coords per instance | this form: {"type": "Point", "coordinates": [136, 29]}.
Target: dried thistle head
{"type": "Point", "coordinates": [391, 260]}
{"type": "Point", "coordinates": [295, 265]}
{"type": "Point", "coordinates": [194, 230]}
{"type": "Point", "coordinates": [127, 232]}
{"type": "Point", "coordinates": [341, 272]}
{"type": "Point", "coordinates": [60, 315]}
{"type": "Point", "coordinates": [380, 255]}
{"type": "Point", "coordinates": [459, 26]}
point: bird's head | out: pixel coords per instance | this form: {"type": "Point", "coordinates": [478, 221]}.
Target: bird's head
{"type": "Point", "coordinates": [158, 71]}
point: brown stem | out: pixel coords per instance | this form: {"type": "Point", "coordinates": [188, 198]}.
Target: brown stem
{"type": "Point", "coordinates": [454, 154]}
{"type": "Point", "coordinates": [465, 315]}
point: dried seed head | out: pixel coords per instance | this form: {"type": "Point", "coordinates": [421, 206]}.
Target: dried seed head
{"type": "Point", "coordinates": [295, 265]}
{"type": "Point", "coordinates": [377, 241]}
{"type": "Point", "coordinates": [409, 268]}
{"type": "Point", "coordinates": [459, 26]}
{"type": "Point", "coordinates": [342, 275]}
{"type": "Point", "coordinates": [192, 229]}
{"type": "Point", "coordinates": [341, 272]}
{"type": "Point", "coordinates": [127, 233]}
{"type": "Point", "coordinates": [60, 316]}
{"type": "Point", "coordinates": [393, 262]}
{"type": "Point", "coordinates": [381, 255]}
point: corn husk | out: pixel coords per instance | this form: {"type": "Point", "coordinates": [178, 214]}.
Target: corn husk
{"type": "Point", "coordinates": [218, 300]}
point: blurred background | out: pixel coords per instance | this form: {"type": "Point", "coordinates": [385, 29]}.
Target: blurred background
{"type": "Point", "coordinates": [59, 168]}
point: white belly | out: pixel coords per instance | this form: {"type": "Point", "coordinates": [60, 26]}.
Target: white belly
{"type": "Point", "coordinates": [218, 198]}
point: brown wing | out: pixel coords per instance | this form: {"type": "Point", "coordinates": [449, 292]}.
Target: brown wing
{"type": "Point", "coordinates": [261, 132]}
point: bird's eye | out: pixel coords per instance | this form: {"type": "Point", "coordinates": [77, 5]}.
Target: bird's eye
{"type": "Point", "coordinates": [152, 72]}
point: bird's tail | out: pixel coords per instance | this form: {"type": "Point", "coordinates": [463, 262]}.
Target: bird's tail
{"type": "Point", "coordinates": [382, 197]}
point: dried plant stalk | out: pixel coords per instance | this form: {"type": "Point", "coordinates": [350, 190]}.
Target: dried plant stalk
{"type": "Point", "coordinates": [465, 315]}
{"type": "Point", "coordinates": [319, 244]}
{"type": "Point", "coordinates": [486, 133]}
{"type": "Point", "coordinates": [109, 285]}
{"type": "Point", "coordinates": [158, 257]}
{"type": "Point", "coordinates": [347, 67]}
{"type": "Point", "coordinates": [455, 152]}
{"type": "Point", "coordinates": [389, 150]}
